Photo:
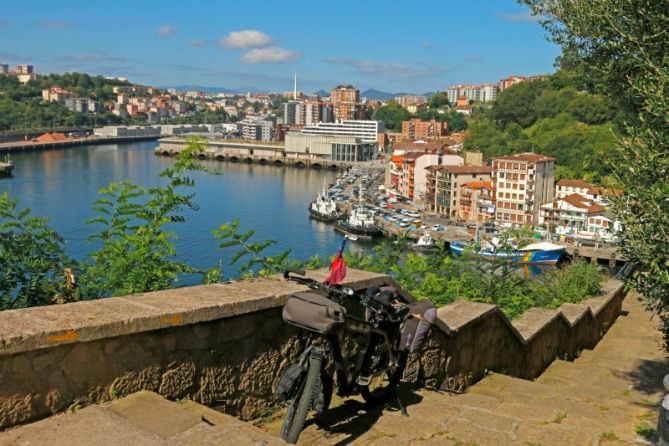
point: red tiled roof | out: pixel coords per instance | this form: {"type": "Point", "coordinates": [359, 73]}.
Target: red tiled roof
{"type": "Point", "coordinates": [565, 182]}
{"type": "Point", "coordinates": [581, 202]}
{"type": "Point", "coordinates": [478, 185]}
{"type": "Point", "coordinates": [529, 157]}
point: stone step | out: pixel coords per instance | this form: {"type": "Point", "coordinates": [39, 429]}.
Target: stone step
{"type": "Point", "coordinates": [143, 418]}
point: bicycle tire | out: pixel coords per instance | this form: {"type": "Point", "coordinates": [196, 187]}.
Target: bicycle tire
{"type": "Point", "coordinates": [381, 395]}
{"type": "Point", "coordinates": [292, 428]}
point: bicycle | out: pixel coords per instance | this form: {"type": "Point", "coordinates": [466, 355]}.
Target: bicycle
{"type": "Point", "coordinates": [391, 330]}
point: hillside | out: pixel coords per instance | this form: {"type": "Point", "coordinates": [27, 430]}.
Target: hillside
{"type": "Point", "coordinates": [554, 117]}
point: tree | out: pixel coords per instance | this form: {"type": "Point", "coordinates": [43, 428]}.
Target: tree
{"type": "Point", "coordinates": [392, 115]}
{"type": "Point", "coordinates": [624, 47]}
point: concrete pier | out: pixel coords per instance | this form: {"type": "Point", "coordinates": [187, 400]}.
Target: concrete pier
{"type": "Point", "coordinates": [253, 152]}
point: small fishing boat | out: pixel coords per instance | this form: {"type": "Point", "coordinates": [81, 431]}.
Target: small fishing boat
{"type": "Point", "coordinates": [360, 223]}
{"type": "Point", "coordinates": [425, 242]}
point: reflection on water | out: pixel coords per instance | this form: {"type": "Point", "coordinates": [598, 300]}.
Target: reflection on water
{"type": "Point", "coordinates": [62, 184]}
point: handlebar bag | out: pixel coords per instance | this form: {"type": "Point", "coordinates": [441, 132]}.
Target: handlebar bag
{"type": "Point", "coordinates": [313, 312]}
{"type": "Point", "coordinates": [417, 325]}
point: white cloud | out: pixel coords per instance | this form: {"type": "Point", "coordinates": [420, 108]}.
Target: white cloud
{"type": "Point", "coordinates": [526, 16]}
{"type": "Point", "coordinates": [248, 38]}
{"type": "Point", "coordinates": [165, 31]}
{"type": "Point", "coordinates": [386, 69]}
{"type": "Point", "coordinates": [269, 55]}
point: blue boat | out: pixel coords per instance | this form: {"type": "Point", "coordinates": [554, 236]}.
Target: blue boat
{"type": "Point", "coordinates": [543, 253]}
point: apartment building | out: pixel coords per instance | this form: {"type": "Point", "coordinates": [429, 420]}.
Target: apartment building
{"type": "Point", "coordinates": [444, 184]}
{"type": "Point", "coordinates": [572, 214]}
{"type": "Point", "coordinates": [513, 80]}
{"type": "Point", "coordinates": [566, 187]}
{"type": "Point", "coordinates": [419, 129]}
{"type": "Point", "coordinates": [479, 93]}
{"type": "Point", "coordinates": [257, 128]}
{"type": "Point", "coordinates": [477, 202]}
{"type": "Point", "coordinates": [410, 100]}
{"type": "Point", "coordinates": [522, 183]}
{"type": "Point", "coordinates": [345, 100]}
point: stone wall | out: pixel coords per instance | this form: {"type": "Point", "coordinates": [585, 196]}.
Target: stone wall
{"type": "Point", "coordinates": [225, 345]}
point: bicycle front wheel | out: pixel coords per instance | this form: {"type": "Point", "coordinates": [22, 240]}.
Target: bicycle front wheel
{"type": "Point", "coordinates": [300, 405]}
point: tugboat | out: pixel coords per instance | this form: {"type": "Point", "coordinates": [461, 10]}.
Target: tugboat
{"type": "Point", "coordinates": [359, 224]}
{"type": "Point", "coordinates": [324, 208]}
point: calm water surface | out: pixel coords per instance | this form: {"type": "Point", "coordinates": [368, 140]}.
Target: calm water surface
{"type": "Point", "coordinates": [64, 183]}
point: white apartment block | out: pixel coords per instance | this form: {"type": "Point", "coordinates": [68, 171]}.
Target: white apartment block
{"type": "Point", "coordinates": [522, 183]}
{"type": "Point", "coordinates": [367, 131]}
{"type": "Point", "coordinates": [479, 93]}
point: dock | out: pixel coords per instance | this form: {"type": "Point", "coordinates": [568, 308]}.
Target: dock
{"type": "Point", "coordinates": [254, 152]}
{"type": "Point", "coordinates": [20, 146]}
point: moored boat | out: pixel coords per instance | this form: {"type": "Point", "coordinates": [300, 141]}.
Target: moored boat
{"type": "Point", "coordinates": [425, 242]}
{"type": "Point", "coordinates": [359, 223]}
{"type": "Point", "coordinates": [542, 253]}
{"type": "Point", "coordinates": [324, 208]}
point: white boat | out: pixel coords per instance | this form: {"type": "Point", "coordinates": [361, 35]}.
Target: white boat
{"type": "Point", "coordinates": [425, 242]}
{"type": "Point", "coordinates": [324, 208]}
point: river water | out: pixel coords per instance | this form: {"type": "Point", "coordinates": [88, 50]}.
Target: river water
{"type": "Point", "coordinates": [63, 184]}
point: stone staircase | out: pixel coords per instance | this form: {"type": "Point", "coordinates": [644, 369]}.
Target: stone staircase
{"type": "Point", "coordinates": [143, 418]}
{"type": "Point", "coordinates": [602, 398]}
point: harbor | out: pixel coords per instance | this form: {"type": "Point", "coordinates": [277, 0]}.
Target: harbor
{"type": "Point", "coordinates": [361, 207]}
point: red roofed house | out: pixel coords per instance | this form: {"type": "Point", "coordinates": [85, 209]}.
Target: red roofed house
{"type": "Point", "coordinates": [570, 214]}
{"type": "Point", "coordinates": [599, 194]}
{"type": "Point", "coordinates": [443, 187]}
{"type": "Point", "coordinates": [477, 201]}
{"type": "Point", "coordinates": [522, 183]}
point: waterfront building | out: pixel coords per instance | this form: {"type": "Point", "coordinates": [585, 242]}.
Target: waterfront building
{"type": "Point", "coordinates": [367, 131]}
{"type": "Point", "coordinates": [419, 129]}
{"type": "Point", "coordinates": [330, 147]}
{"type": "Point", "coordinates": [128, 131]}
{"type": "Point", "coordinates": [572, 215]}
{"type": "Point", "coordinates": [443, 186]}
{"type": "Point", "coordinates": [412, 172]}
{"type": "Point", "coordinates": [522, 182]}
{"type": "Point", "coordinates": [477, 202]}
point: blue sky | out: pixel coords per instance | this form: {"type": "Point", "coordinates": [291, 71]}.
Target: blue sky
{"type": "Point", "coordinates": [390, 45]}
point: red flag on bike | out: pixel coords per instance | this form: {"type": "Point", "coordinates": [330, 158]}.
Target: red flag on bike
{"type": "Point", "coordinates": [337, 267]}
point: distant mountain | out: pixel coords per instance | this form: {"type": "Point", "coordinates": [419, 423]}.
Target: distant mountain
{"type": "Point", "coordinates": [372, 93]}
{"type": "Point", "coordinates": [322, 92]}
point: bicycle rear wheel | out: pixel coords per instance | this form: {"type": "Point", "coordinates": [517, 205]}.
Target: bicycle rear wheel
{"type": "Point", "coordinates": [383, 386]}
{"type": "Point", "coordinates": [300, 405]}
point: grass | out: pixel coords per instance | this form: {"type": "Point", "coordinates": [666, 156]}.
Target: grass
{"type": "Point", "coordinates": [645, 430]}
{"type": "Point", "coordinates": [559, 417]}
{"type": "Point", "coordinates": [607, 436]}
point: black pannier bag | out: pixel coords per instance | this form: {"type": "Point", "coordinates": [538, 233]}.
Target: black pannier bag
{"type": "Point", "coordinates": [289, 381]}
{"type": "Point", "coordinates": [313, 312]}
{"type": "Point", "coordinates": [417, 325]}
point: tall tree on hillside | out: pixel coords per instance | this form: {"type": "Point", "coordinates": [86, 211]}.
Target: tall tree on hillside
{"type": "Point", "coordinates": [624, 45]}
